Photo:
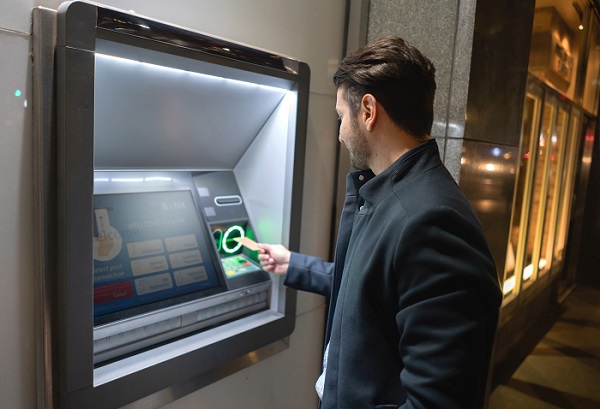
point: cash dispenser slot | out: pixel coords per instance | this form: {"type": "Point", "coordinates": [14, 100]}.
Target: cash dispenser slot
{"type": "Point", "coordinates": [120, 338]}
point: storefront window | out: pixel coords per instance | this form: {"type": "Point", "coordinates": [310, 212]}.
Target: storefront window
{"type": "Point", "coordinates": [564, 68]}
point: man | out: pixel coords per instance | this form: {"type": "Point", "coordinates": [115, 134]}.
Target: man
{"type": "Point", "coordinates": [413, 290]}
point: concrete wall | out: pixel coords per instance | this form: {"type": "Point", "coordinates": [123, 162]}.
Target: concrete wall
{"type": "Point", "coordinates": [310, 30]}
{"type": "Point", "coordinates": [443, 31]}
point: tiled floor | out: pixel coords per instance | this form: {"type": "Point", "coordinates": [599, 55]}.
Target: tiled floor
{"type": "Point", "coordinates": [563, 369]}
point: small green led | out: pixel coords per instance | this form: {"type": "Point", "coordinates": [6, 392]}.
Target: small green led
{"type": "Point", "coordinates": [18, 93]}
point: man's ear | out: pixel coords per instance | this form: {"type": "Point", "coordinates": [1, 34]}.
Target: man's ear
{"type": "Point", "coordinates": [369, 111]}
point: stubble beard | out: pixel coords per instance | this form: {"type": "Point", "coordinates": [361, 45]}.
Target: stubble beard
{"type": "Point", "coordinates": [360, 151]}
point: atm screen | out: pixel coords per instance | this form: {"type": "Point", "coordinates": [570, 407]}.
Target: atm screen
{"type": "Point", "coordinates": [151, 251]}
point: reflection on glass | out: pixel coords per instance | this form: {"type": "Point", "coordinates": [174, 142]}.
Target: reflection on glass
{"type": "Point", "coordinates": [555, 164]}
{"type": "Point", "coordinates": [539, 188]}
{"type": "Point", "coordinates": [531, 111]}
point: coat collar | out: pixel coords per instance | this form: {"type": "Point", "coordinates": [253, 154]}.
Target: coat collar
{"type": "Point", "coordinates": [356, 180]}
{"type": "Point", "coordinates": [414, 162]}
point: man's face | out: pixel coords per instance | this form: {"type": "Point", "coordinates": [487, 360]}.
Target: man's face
{"type": "Point", "coordinates": [352, 135]}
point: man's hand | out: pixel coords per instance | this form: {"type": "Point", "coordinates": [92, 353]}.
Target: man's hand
{"type": "Point", "coordinates": [274, 258]}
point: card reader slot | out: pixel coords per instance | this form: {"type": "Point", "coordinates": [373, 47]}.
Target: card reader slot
{"type": "Point", "coordinates": [231, 200]}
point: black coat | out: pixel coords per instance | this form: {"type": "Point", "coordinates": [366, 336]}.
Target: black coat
{"type": "Point", "coordinates": [414, 294]}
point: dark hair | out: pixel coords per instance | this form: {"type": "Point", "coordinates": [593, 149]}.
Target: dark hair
{"type": "Point", "coordinates": [398, 76]}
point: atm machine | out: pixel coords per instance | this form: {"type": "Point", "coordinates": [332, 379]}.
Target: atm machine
{"type": "Point", "coordinates": [163, 156]}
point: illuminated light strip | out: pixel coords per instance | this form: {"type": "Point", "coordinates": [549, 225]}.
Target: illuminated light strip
{"type": "Point", "coordinates": [127, 180]}
{"type": "Point", "coordinates": [139, 179]}
{"type": "Point", "coordinates": [226, 236]}
{"type": "Point", "coordinates": [542, 264]}
{"type": "Point", "coordinates": [193, 73]}
{"type": "Point", "coordinates": [527, 272]}
{"type": "Point", "coordinates": [509, 285]}
{"type": "Point", "coordinates": [157, 179]}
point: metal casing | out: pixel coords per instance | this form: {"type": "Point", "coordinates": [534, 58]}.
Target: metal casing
{"type": "Point", "coordinates": [75, 382]}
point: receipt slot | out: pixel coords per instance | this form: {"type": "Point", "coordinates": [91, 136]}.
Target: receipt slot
{"type": "Point", "coordinates": [174, 153]}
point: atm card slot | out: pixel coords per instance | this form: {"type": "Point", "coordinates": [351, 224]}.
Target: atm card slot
{"type": "Point", "coordinates": [231, 200]}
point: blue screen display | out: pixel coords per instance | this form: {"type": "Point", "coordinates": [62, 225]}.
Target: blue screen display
{"type": "Point", "coordinates": [148, 247]}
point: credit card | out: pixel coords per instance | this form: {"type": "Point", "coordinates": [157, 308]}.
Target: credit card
{"type": "Point", "coordinates": [247, 242]}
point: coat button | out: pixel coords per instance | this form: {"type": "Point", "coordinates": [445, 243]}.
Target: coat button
{"type": "Point", "coordinates": [361, 177]}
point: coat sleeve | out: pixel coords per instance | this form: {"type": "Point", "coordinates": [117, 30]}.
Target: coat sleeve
{"type": "Point", "coordinates": [449, 298]}
{"type": "Point", "coordinates": [308, 273]}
